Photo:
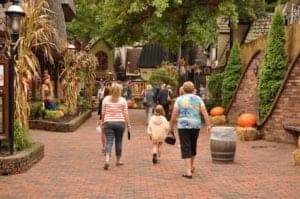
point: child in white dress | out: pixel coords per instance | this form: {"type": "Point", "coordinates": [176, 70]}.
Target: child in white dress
{"type": "Point", "coordinates": [158, 128]}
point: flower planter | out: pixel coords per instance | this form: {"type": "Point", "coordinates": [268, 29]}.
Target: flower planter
{"type": "Point", "coordinates": [69, 126]}
{"type": "Point", "coordinates": [21, 161]}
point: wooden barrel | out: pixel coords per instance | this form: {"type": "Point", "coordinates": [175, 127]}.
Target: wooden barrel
{"type": "Point", "coordinates": [223, 144]}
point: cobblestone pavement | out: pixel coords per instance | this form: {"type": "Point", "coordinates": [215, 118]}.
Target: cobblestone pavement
{"type": "Point", "coordinates": [73, 168]}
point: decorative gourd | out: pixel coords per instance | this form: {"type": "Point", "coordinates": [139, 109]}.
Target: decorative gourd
{"type": "Point", "coordinates": [217, 111]}
{"type": "Point", "coordinates": [246, 120]}
{"type": "Point", "coordinates": [130, 103]}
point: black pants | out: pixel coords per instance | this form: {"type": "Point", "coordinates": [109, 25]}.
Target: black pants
{"type": "Point", "coordinates": [188, 142]}
{"type": "Point", "coordinates": [167, 110]}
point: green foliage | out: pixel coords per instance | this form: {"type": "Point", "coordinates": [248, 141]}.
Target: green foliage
{"type": "Point", "coordinates": [215, 90]}
{"type": "Point", "coordinates": [161, 76]}
{"type": "Point", "coordinates": [36, 110]}
{"type": "Point", "coordinates": [232, 74]}
{"type": "Point", "coordinates": [170, 23]}
{"type": "Point", "coordinates": [21, 141]}
{"type": "Point", "coordinates": [53, 115]}
{"type": "Point", "coordinates": [271, 4]}
{"type": "Point", "coordinates": [82, 102]}
{"type": "Point", "coordinates": [63, 108]}
{"type": "Point", "coordinates": [249, 10]}
{"type": "Point", "coordinates": [274, 64]}
{"type": "Point", "coordinates": [81, 75]}
{"type": "Point", "coordinates": [84, 26]}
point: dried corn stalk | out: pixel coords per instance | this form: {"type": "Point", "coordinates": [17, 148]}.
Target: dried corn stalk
{"type": "Point", "coordinates": [70, 82]}
{"type": "Point", "coordinates": [88, 63]}
{"type": "Point", "coordinates": [37, 34]}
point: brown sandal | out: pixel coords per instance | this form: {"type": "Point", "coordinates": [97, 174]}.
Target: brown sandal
{"type": "Point", "coordinates": [119, 164]}
{"type": "Point", "coordinates": [106, 166]}
{"type": "Point", "coordinates": [187, 176]}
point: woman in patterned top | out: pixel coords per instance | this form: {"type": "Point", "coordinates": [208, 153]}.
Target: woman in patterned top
{"type": "Point", "coordinates": [187, 111]}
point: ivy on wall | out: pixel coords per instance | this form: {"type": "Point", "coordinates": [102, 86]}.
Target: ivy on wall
{"type": "Point", "coordinates": [215, 90]}
{"type": "Point", "coordinates": [231, 74]}
{"type": "Point", "coordinates": [274, 64]}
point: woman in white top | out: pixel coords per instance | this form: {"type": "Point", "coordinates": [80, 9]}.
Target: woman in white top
{"type": "Point", "coordinates": [115, 117]}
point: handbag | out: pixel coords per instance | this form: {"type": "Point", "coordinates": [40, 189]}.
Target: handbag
{"type": "Point", "coordinates": [170, 139]}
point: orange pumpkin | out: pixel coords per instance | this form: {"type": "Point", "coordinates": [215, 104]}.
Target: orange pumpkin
{"type": "Point", "coordinates": [217, 111]}
{"type": "Point", "coordinates": [130, 103]}
{"type": "Point", "coordinates": [246, 120]}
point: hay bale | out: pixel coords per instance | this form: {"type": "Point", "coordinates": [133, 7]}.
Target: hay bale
{"type": "Point", "coordinates": [217, 120]}
{"type": "Point", "coordinates": [247, 133]}
{"type": "Point", "coordinates": [296, 155]}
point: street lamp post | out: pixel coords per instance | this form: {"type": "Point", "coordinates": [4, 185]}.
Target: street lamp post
{"type": "Point", "coordinates": [14, 14]}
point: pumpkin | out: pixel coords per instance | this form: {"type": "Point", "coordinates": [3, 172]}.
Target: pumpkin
{"type": "Point", "coordinates": [217, 111]}
{"type": "Point", "coordinates": [246, 120]}
{"type": "Point", "coordinates": [130, 103]}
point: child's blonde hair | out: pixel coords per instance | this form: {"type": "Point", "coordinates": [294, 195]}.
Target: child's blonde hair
{"type": "Point", "coordinates": [159, 110]}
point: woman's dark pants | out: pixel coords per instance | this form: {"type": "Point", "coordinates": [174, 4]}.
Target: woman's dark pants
{"type": "Point", "coordinates": [188, 142]}
{"type": "Point", "coordinates": [114, 132]}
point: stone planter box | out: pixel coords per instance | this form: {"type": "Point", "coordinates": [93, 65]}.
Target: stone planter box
{"type": "Point", "coordinates": [61, 126]}
{"type": "Point", "coordinates": [21, 161]}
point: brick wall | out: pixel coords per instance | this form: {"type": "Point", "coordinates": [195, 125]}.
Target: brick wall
{"type": "Point", "coordinates": [287, 109]}
{"type": "Point", "coordinates": [246, 99]}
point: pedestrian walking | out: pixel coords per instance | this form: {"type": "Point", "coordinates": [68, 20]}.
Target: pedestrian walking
{"type": "Point", "coordinates": [100, 92]}
{"type": "Point", "coordinates": [127, 92]}
{"type": "Point", "coordinates": [163, 99]}
{"type": "Point", "coordinates": [115, 118]}
{"type": "Point", "coordinates": [100, 122]}
{"type": "Point", "coordinates": [157, 130]}
{"type": "Point", "coordinates": [187, 111]}
{"type": "Point", "coordinates": [149, 101]}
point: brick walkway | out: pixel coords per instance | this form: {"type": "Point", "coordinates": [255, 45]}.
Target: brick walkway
{"type": "Point", "coordinates": [73, 168]}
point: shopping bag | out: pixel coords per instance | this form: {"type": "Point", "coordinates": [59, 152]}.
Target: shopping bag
{"type": "Point", "coordinates": [99, 129]}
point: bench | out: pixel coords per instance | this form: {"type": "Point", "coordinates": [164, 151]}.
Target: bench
{"type": "Point", "coordinates": [294, 130]}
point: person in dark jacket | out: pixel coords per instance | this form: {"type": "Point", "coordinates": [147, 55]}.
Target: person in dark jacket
{"type": "Point", "coordinates": [163, 99]}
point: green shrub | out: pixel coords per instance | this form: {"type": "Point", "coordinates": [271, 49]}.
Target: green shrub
{"type": "Point", "coordinates": [81, 102]}
{"type": "Point", "coordinates": [215, 91]}
{"type": "Point", "coordinates": [53, 115]}
{"type": "Point", "coordinates": [63, 108]}
{"type": "Point", "coordinates": [274, 64]}
{"type": "Point", "coordinates": [161, 76]}
{"type": "Point", "coordinates": [21, 141]}
{"type": "Point", "coordinates": [36, 110]}
{"type": "Point", "coordinates": [232, 74]}
{"type": "Point", "coordinates": [215, 85]}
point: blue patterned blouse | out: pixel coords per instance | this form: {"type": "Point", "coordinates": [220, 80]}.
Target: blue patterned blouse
{"type": "Point", "coordinates": [189, 116]}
